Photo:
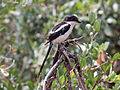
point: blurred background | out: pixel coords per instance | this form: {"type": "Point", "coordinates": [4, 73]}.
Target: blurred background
{"type": "Point", "coordinates": [24, 28]}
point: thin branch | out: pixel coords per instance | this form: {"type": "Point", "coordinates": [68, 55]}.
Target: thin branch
{"type": "Point", "coordinates": [96, 68]}
{"type": "Point", "coordinates": [68, 75]}
{"type": "Point", "coordinates": [79, 70]}
{"type": "Point", "coordinates": [80, 83]}
{"type": "Point", "coordinates": [49, 74]}
{"type": "Point", "coordinates": [10, 65]}
{"type": "Point", "coordinates": [97, 82]}
{"type": "Point", "coordinates": [68, 42]}
{"type": "Point", "coordinates": [78, 45]}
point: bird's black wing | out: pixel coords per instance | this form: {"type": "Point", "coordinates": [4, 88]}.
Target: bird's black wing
{"type": "Point", "coordinates": [58, 26]}
{"type": "Point", "coordinates": [62, 31]}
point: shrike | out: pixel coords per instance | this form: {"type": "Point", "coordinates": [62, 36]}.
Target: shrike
{"type": "Point", "coordinates": [60, 33]}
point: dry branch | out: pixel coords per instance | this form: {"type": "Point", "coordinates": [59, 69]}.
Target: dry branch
{"type": "Point", "coordinates": [47, 80]}
{"type": "Point", "coordinates": [62, 51]}
{"type": "Point", "coordinates": [79, 71]}
{"type": "Point", "coordinates": [79, 80]}
{"type": "Point", "coordinates": [68, 75]}
{"type": "Point", "coordinates": [97, 82]}
{"type": "Point", "coordinates": [96, 68]}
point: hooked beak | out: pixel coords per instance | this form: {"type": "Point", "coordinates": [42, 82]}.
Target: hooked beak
{"type": "Point", "coordinates": [79, 21]}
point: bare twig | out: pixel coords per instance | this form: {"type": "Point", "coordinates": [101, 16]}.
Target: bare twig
{"type": "Point", "coordinates": [106, 55]}
{"type": "Point", "coordinates": [80, 83]}
{"type": "Point", "coordinates": [79, 71]}
{"type": "Point", "coordinates": [49, 74]}
{"type": "Point", "coordinates": [68, 75]}
{"type": "Point", "coordinates": [52, 73]}
{"type": "Point", "coordinates": [68, 42]}
{"type": "Point", "coordinates": [96, 68]}
{"type": "Point", "coordinates": [10, 65]}
{"type": "Point", "coordinates": [97, 82]}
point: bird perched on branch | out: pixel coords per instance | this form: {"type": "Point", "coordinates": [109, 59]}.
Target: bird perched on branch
{"type": "Point", "coordinates": [60, 33]}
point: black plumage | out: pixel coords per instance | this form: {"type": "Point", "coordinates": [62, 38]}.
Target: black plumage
{"type": "Point", "coordinates": [62, 31]}
{"type": "Point", "coordinates": [58, 26]}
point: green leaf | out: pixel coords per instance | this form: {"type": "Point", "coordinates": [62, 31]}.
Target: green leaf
{"type": "Point", "coordinates": [54, 83]}
{"type": "Point", "coordinates": [62, 79]}
{"type": "Point", "coordinates": [102, 46]}
{"type": "Point", "coordinates": [10, 86]}
{"type": "Point", "coordinates": [79, 5]}
{"type": "Point", "coordinates": [110, 2]}
{"type": "Point", "coordinates": [89, 60]}
{"type": "Point", "coordinates": [91, 17]}
{"type": "Point", "coordinates": [82, 62]}
{"type": "Point", "coordinates": [116, 56]}
{"type": "Point", "coordinates": [31, 85]}
{"type": "Point", "coordinates": [97, 25]}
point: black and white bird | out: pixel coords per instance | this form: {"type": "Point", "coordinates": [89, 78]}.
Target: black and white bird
{"type": "Point", "coordinates": [60, 33]}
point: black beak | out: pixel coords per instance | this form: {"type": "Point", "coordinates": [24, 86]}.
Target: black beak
{"type": "Point", "coordinates": [79, 21]}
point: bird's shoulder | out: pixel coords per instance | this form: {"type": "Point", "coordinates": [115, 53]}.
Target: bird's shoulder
{"type": "Point", "coordinates": [61, 30]}
{"type": "Point", "coordinates": [58, 26]}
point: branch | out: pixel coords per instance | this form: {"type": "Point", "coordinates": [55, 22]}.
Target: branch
{"type": "Point", "coordinates": [68, 75]}
{"type": "Point", "coordinates": [96, 68]}
{"type": "Point", "coordinates": [79, 70]}
{"type": "Point", "coordinates": [97, 82]}
{"type": "Point", "coordinates": [68, 42]}
{"type": "Point", "coordinates": [10, 65]}
{"type": "Point", "coordinates": [66, 55]}
{"type": "Point", "coordinates": [50, 73]}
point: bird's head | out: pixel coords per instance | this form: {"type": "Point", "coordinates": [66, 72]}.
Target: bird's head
{"type": "Point", "coordinates": [72, 18]}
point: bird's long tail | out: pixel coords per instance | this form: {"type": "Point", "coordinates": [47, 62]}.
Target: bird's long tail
{"type": "Point", "coordinates": [49, 49]}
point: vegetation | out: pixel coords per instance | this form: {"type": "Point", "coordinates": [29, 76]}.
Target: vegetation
{"type": "Point", "coordinates": [24, 27]}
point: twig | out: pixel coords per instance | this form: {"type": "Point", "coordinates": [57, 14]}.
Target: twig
{"type": "Point", "coordinates": [78, 45]}
{"type": "Point", "coordinates": [97, 82]}
{"type": "Point", "coordinates": [80, 83]}
{"type": "Point", "coordinates": [10, 65]}
{"type": "Point", "coordinates": [49, 74]}
{"type": "Point", "coordinates": [68, 75]}
{"type": "Point", "coordinates": [96, 68]}
{"type": "Point", "coordinates": [72, 41]}
{"type": "Point", "coordinates": [106, 55]}
{"type": "Point", "coordinates": [79, 70]}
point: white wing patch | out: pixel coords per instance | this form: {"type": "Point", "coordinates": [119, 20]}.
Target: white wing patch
{"type": "Point", "coordinates": [62, 26]}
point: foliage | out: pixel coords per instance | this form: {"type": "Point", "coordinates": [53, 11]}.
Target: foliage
{"type": "Point", "coordinates": [24, 27]}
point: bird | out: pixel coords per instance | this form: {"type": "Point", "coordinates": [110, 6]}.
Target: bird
{"type": "Point", "coordinates": [59, 34]}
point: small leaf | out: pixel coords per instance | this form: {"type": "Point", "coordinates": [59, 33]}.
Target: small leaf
{"type": "Point", "coordinates": [72, 74]}
{"type": "Point", "coordinates": [62, 79]}
{"type": "Point", "coordinates": [30, 84]}
{"type": "Point", "coordinates": [116, 56]}
{"type": "Point", "coordinates": [106, 45]}
{"type": "Point", "coordinates": [89, 60]}
{"type": "Point", "coordinates": [54, 83]}
{"type": "Point", "coordinates": [43, 4]}
{"type": "Point", "coordinates": [99, 58]}
{"type": "Point", "coordinates": [97, 25]}
{"type": "Point", "coordinates": [91, 17]}
{"type": "Point", "coordinates": [102, 47]}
